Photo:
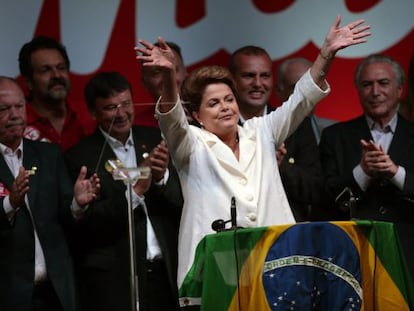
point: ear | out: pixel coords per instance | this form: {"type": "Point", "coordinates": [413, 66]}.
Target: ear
{"type": "Point", "coordinates": [196, 116]}
{"type": "Point", "coordinates": [400, 91]}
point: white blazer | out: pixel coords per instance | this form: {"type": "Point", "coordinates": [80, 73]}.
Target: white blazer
{"type": "Point", "coordinates": [211, 175]}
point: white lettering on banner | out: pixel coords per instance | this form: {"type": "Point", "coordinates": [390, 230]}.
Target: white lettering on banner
{"type": "Point", "coordinates": [230, 24]}
{"type": "Point", "coordinates": [86, 27]}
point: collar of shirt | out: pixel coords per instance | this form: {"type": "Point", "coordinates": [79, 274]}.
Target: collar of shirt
{"type": "Point", "coordinates": [14, 159]}
{"type": "Point", "coordinates": [390, 127]}
{"type": "Point", "coordinates": [124, 152]}
{"type": "Point", "coordinates": [115, 143]}
{"type": "Point", "coordinates": [242, 120]}
{"type": "Point", "coordinates": [7, 151]}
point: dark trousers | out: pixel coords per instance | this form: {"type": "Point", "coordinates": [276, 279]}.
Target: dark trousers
{"type": "Point", "coordinates": [157, 295]}
{"type": "Point", "coordinates": [99, 293]}
{"type": "Point", "coordinates": [45, 298]}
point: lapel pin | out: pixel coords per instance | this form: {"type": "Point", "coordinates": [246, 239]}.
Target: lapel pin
{"type": "Point", "coordinates": [32, 171]}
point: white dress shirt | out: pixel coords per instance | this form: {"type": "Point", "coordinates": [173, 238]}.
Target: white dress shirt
{"type": "Point", "coordinates": [382, 136]}
{"type": "Point", "coordinates": [126, 154]}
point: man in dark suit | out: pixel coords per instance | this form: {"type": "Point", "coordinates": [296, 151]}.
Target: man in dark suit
{"type": "Point", "coordinates": [368, 161]}
{"type": "Point", "coordinates": [36, 201]}
{"type": "Point", "coordinates": [298, 157]}
{"type": "Point", "coordinates": [102, 245]}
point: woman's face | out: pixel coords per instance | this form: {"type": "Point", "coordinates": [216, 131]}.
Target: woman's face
{"type": "Point", "coordinates": [218, 112]}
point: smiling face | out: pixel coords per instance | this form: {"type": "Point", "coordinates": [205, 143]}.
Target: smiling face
{"type": "Point", "coordinates": [218, 112]}
{"type": "Point", "coordinates": [12, 113]}
{"type": "Point", "coordinates": [115, 114]}
{"type": "Point", "coordinates": [379, 91]}
{"type": "Point", "coordinates": [254, 79]}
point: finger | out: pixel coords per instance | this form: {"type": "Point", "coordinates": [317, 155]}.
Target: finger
{"type": "Point", "coordinates": [337, 22]}
{"type": "Point", "coordinates": [144, 43]}
{"type": "Point", "coordinates": [159, 155]}
{"type": "Point", "coordinates": [163, 147]}
{"type": "Point", "coordinates": [162, 43]}
{"type": "Point", "coordinates": [82, 173]}
{"type": "Point", "coordinates": [356, 23]}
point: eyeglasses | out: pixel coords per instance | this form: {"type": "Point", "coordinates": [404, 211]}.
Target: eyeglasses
{"type": "Point", "coordinates": [114, 108]}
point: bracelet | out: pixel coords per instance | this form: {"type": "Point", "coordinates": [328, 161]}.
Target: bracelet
{"type": "Point", "coordinates": [326, 57]}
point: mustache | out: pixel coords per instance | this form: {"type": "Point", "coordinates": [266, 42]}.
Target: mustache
{"type": "Point", "coordinates": [58, 81]}
{"type": "Point", "coordinates": [14, 123]}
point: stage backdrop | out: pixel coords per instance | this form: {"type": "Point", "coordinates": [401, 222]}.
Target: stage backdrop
{"type": "Point", "coordinates": [100, 35]}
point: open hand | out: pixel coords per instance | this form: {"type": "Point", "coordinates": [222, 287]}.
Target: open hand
{"type": "Point", "coordinates": [151, 55]}
{"type": "Point", "coordinates": [350, 34]}
{"type": "Point", "coordinates": [86, 189]}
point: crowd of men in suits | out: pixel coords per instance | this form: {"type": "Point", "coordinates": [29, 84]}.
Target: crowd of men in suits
{"type": "Point", "coordinates": [63, 217]}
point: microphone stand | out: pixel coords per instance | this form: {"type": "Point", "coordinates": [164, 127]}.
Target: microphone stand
{"type": "Point", "coordinates": [131, 240]}
{"type": "Point", "coordinates": [129, 176]}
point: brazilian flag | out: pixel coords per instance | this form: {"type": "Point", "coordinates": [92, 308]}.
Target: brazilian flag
{"type": "Point", "coordinates": [352, 265]}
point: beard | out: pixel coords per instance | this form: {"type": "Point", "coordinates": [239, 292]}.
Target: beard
{"type": "Point", "coordinates": [58, 94]}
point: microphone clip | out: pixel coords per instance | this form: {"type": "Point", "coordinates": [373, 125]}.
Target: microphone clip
{"type": "Point", "coordinates": [219, 225]}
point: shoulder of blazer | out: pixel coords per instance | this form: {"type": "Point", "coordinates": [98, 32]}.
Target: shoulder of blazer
{"type": "Point", "coordinates": [408, 126]}
{"type": "Point", "coordinates": [40, 147]}
{"type": "Point", "coordinates": [146, 134]}
{"type": "Point", "coordinates": [95, 140]}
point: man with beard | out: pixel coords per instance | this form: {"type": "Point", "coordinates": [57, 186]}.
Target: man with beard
{"type": "Point", "coordinates": [44, 66]}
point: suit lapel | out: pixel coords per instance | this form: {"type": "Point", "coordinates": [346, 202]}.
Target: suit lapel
{"type": "Point", "coordinates": [401, 141]}
{"type": "Point", "coordinates": [248, 145]}
{"type": "Point", "coordinates": [142, 148]}
{"type": "Point", "coordinates": [357, 130]}
{"type": "Point", "coordinates": [103, 155]}
{"type": "Point", "coordinates": [31, 160]}
{"type": "Point", "coordinates": [6, 176]}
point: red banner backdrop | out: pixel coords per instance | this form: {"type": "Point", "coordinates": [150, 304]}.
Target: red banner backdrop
{"type": "Point", "coordinates": [341, 104]}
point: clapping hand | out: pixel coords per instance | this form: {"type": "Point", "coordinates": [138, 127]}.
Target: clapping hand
{"type": "Point", "coordinates": [19, 188]}
{"type": "Point", "coordinates": [86, 190]}
{"type": "Point", "coordinates": [375, 162]}
{"type": "Point", "coordinates": [159, 158]}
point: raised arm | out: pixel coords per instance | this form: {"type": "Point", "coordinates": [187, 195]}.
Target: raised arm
{"type": "Point", "coordinates": [162, 57]}
{"type": "Point", "coordinates": [337, 38]}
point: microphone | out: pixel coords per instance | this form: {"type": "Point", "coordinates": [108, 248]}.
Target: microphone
{"type": "Point", "coordinates": [346, 201]}
{"type": "Point", "coordinates": [233, 213]}
{"type": "Point", "coordinates": [219, 225]}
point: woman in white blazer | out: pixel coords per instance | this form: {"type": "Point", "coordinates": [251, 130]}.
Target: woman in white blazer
{"type": "Point", "coordinates": [218, 159]}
